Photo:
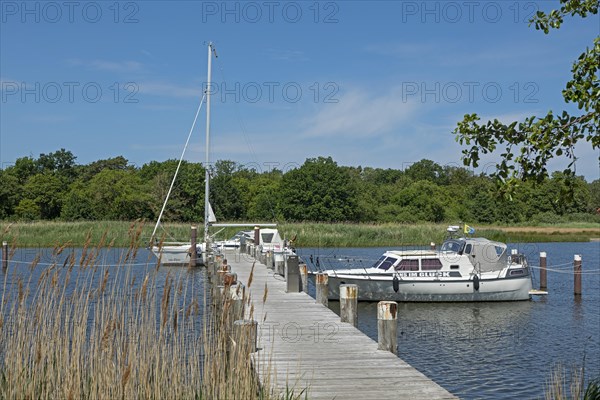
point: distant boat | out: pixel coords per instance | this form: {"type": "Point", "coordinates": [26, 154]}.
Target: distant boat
{"type": "Point", "coordinates": [179, 253]}
{"type": "Point", "coordinates": [464, 269]}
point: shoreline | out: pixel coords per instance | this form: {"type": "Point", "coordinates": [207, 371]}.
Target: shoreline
{"type": "Point", "coordinates": [126, 233]}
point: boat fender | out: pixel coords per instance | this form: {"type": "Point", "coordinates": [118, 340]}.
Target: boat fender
{"type": "Point", "coordinates": [396, 283]}
{"type": "Point", "coordinates": [476, 282]}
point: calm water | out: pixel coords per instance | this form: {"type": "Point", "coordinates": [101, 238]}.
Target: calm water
{"type": "Point", "coordinates": [117, 266]}
{"type": "Point", "coordinates": [498, 350]}
{"type": "Point", "coordinates": [474, 350]}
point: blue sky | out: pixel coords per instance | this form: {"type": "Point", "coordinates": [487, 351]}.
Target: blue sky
{"type": "Point", "coordinates": [371, 83]}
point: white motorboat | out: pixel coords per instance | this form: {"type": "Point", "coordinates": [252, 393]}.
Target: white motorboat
{"type": "Point", "coordinates": [271, 241]}
{"type": "Point", "coordinates": [463, 269]}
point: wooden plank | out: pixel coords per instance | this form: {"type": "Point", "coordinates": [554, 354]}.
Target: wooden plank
{"type": "Point", "coordinates": [304, 346]}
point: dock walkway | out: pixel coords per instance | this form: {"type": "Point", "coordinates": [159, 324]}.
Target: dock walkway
{"type": "Point", "coordinates": [303, 344]}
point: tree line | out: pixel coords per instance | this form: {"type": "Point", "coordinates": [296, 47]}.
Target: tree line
{"type": "Point", "coordinates": [53, 186]}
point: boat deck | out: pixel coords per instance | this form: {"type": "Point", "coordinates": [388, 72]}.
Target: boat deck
{"type": "Point", "coordinates": [303, 345]}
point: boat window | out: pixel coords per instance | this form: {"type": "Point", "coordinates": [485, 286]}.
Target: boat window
{"type": "Point", "coordinates": [387, 263]}
{"type": "Point", "coordinates": [378, 262]}
{"type": "Point", "coordinates": [267, 237]}
{"type": "Point", "coordinates": [408, 265]}
{"type": "Point", "coordinates": [428, 264]}
{"type": "Point", "coordinates": [454, 266]}
{"type": "Point", "coordinates": [468, 248]}
{"type": "Point", "coordinates": [499, 250]}
{"type": "Point", "coordinates": [452, 246]}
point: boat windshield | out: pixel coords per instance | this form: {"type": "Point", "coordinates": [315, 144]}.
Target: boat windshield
{"type": "Point", "coordinates": [385, 263]}
{"type": "Point", "coordinates": [453, 246]}
{"type": "Point", "coordinates": [267, 237]}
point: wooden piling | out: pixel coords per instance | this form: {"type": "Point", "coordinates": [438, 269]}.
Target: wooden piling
{"type": "Point", "coordinates": [256, 236]}
{"type": "Point", "coordinates": [349, 304]}
{"type": "Point", "coordinates": [321, 281]}
{"type": "Point", "coordinates": [4, 255]}
{"type": "Point", "coordinates": [543, 271]}
{"type": "Point", "coordinates": [229, 279]}
{"type": "Point", "coordinates": [193, 252]}
{"type": "Point", "coordinates": [577, 274]}
{"type": "Point", "coordinates": [245, 334]}
{"type": "Point", "coordinates": [303, 277]}
{"type": "Point", "coordinates": [387, 326]}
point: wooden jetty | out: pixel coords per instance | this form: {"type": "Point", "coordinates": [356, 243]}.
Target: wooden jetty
{"type": "Point", "coordinates": [303, 345]}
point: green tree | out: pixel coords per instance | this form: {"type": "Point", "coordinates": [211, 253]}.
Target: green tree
{"type": "Point", "coordinates": [226, 198]}
{"type": "Point", "coordinates": [421, 201]}
{"type": "Point", "coordinates": [319, 190]}
{"type": "Point", "coordinates": [77, 203]}
{"type": "Point", "coordinates": [186, 202]}
{"type": "Point", "coordinates": [260, 192]}
{"type": "Point", "coordinates": [118, 163]}
{"type": "Point", "coordinates": [10, 193]}
{"type": "Point", "coordinates": [425, 170]}
{"type": "Point", "coordinates": [118, 195]}
{"type": "Point", "coordinates": [45, 190]}
{"type": "Point", "coordinates": [529, 145]}
{"type": "Point", "coordinates": [24, 168]}
{"type": "Point", "coordinates": [28, 210]}
{"type": "Point", "coordinates": [594, 206]}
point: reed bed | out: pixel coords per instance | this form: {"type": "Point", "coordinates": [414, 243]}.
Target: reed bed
{"type": "Point", "coordinates": [53, 233]}
{"type": "Point", "coordinates": [570, 385]}
{"type": "Point", "coordinates": [81, 329]}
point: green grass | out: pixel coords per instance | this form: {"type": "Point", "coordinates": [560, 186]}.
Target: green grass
{"type": "Point", "coordinates": [118, 233]}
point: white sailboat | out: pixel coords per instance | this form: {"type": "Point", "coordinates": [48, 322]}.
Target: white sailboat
{"type": "Point", "coordinates": [179, 253]}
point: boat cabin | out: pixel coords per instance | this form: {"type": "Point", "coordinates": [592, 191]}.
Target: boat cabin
{"type": "Point", "coordinates": [483, 254]}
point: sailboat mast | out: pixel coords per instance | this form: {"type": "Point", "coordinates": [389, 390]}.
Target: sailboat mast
{"type": "Point", "coordinates": [207, 154]}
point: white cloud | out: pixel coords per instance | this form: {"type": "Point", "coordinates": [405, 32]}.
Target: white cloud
{"type": "Point", "coordinates": [358, 114]}
{"type": "Point", "coordinates": [170, 89]}
{"type": "Point", "coordinates": [105, 65]}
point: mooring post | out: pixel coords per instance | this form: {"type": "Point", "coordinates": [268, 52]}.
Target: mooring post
{"type": "Point", "coordinates": [303, 277]}
{"type": "Point", "coordinates": [577, 274]}
{"type": "Point", "coordinates": [256, 236]}
{"type": "Point", "coordinates": [543, 271]}
{"type": "Point", "coordinates": [349, 304]}
{"type": "Point", "coordinates": [432, 246]}
{"type": "Point", "coordinates": [229, 278]}
{"type": "Point", "coordinates": [245, 334]}
{"type": "Point", "coordinates": [387, 326]}
{"type": "Point", "coordinates": [292, 274]}
{"type": "Point", "coordinates": [213, 267]}
{"type": "Point", "coordinates": [269, 260]}
{"type": "Point", "coordinates": [321, 281]}
{"type": "Point", "coordinates": [4, 255]}
{"type": "Point", "coordinates": [193, 253]}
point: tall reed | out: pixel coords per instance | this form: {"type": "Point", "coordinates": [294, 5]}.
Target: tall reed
{"type": "Point", "coordinates": [80, 329]}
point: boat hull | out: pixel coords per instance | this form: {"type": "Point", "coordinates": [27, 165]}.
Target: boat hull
{"type": "Point", "coordinates": [176, 255]}
{"type": "Point", "coordinates": [369, 289]}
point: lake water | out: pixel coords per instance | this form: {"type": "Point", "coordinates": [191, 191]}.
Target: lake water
{"type": "Point", "coordinates": [498, 350]}
{"type": "Point", "coordinates": [475, 350]}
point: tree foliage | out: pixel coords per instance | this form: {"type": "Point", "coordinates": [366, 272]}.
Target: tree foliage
{"type": "Point", "coordinates": [529, 145]}
{"type": "Point", "coordinates": [319, 190]}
